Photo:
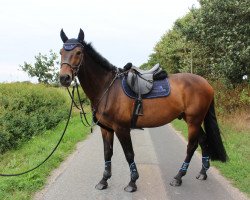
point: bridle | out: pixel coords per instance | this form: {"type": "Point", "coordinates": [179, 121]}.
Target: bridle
{"type": "Point", "coordinates": [69, 47]}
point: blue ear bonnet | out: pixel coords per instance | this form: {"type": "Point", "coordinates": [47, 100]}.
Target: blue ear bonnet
{"type": "Point", "coordinates": [71, 44]}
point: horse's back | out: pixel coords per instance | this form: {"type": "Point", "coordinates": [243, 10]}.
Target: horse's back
{"type": "Point", "coordinates": [189, 80]}
{"type": "Point", "coordinates": [191, 84]}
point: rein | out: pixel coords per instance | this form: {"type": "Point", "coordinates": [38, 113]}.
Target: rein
{"type": "Point", "coordinates": [95, 121]}
{"type": "Point", "coordinates": [95, 107]}
{"type": "Point", "coordinates": [82, 112]}
{"type": "Point", "coordinates": [107, 89]}
{"type": "Point", "coordinates": [75, 70]}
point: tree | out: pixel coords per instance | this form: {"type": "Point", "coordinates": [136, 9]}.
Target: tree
{"type": "Point", "coordinates": [45, 68]}
{"type": "Point", "coordinates": [223, 28]}
{"type": "Point", "coordinates": [176, 53]}
{"type": "Point", "coordinates": [169, 52]}
{"type": "Point", "coordinates": [212, 41]}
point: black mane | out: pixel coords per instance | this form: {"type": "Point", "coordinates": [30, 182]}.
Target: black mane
{"type": "Point", "coordinates": [98, 57]}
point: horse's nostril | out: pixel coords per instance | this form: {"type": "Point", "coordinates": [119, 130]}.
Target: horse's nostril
{"type": "Point", "coordinates": [65, 79]}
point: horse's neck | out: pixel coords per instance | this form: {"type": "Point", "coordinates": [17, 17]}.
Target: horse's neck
{"type": "Point", "coordinates": [94, 80]}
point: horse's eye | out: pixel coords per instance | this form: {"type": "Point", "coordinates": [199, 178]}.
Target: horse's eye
{"type": "Point", "coordinates": [60, 52]}
{"type": "Point", "coordinates": [78, 53]}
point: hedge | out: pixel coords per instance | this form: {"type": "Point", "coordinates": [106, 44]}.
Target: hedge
{"type": "Point", "coordinates": [28, 109]}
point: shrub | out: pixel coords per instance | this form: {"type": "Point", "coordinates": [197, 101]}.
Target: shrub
{"type": "Point", "coordinates": [230, 100]}
{"type": "Point", "coordinates": [26, 110]}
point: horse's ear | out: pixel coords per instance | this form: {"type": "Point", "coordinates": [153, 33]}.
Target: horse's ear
{"type": "Point", "coordinates": [63, 36]}
{"type": "Point", "coordinates": [81, 36]}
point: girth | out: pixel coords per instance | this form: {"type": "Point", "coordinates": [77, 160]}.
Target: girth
{"type": "Point", "coordinates": [100, 124]}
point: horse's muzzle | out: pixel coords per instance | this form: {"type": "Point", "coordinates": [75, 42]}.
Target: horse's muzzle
{"type": "Point", "coordinates": [65, 80]}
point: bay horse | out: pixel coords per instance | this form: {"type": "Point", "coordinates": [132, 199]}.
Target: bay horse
{"type": "Point", "coordinates": [191, 98]}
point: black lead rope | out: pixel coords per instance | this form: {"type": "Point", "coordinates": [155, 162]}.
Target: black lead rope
{"type": "Point", "coordinates": [52, 152]}
{"type": "Point", "coordinates": [82, 112]}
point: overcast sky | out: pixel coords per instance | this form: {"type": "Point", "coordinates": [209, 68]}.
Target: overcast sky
{"type": "Point", "coordinates": [121, 30]}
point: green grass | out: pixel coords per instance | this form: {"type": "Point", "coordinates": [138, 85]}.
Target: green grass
{"type": "Point", "coordinates": [180, 125]}
{"type": "Point", "coordinates": [31, 153]}
{"type": "Point", "coordinates": [237, 144]}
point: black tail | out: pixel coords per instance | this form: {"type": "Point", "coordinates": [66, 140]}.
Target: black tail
{"type": "Point", "coordinates": [214, 141]}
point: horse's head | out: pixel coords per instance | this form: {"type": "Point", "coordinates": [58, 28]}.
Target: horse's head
{"type": "Point", "coordinates": [72, 57]}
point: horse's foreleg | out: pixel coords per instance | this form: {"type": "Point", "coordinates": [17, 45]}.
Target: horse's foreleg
{"type": "Point", "coordinates": [205, 155]}
{"type": "Point", "coordinates": [108, 139]}
{"type": "Point", "coordinates": [193, 132]}
{"type": "Point", "coordinates": [125, 140]}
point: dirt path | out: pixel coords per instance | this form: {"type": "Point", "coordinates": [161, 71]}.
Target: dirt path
{"type": "Point", "coordinates": [159, 154]}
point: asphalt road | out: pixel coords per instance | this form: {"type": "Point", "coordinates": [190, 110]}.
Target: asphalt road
{"type": "Point", "coordinates": [159, 152]}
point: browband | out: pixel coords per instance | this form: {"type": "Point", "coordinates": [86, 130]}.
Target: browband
{"type": "Point", "coordinates": [71, 46]}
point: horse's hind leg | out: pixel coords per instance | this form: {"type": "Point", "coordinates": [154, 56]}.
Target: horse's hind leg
{"type": "Point", "coordinates": [108, 139]}
{"type": "Point", "coordinates": [193, 135]}
{"type": "Point", "coordinates": [125, 140]}
{"type": "Point", "coordinates": [205, 155]}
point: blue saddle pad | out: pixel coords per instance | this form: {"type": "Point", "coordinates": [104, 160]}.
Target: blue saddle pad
{"type": "Point", "coordinates": [161, 88]}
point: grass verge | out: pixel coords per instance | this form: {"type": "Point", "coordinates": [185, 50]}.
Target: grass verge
{"type": "Point", "coordinates": [237, 144]}
{"type": "Point", "coordinates": [31, 153]}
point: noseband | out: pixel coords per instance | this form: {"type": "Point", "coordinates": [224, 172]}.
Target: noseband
{"type": "Point", "coordinates": [70, 47]}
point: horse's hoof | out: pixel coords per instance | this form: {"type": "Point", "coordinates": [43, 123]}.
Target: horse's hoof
{"type": "Point", "coordinates": [131, 187]}
{"type": "Point", "coordinates": [176, 182]}
{"type": "Point", "coordinates": [201, 176]}
{"type": "Point", "coordinates": [101, 185]}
